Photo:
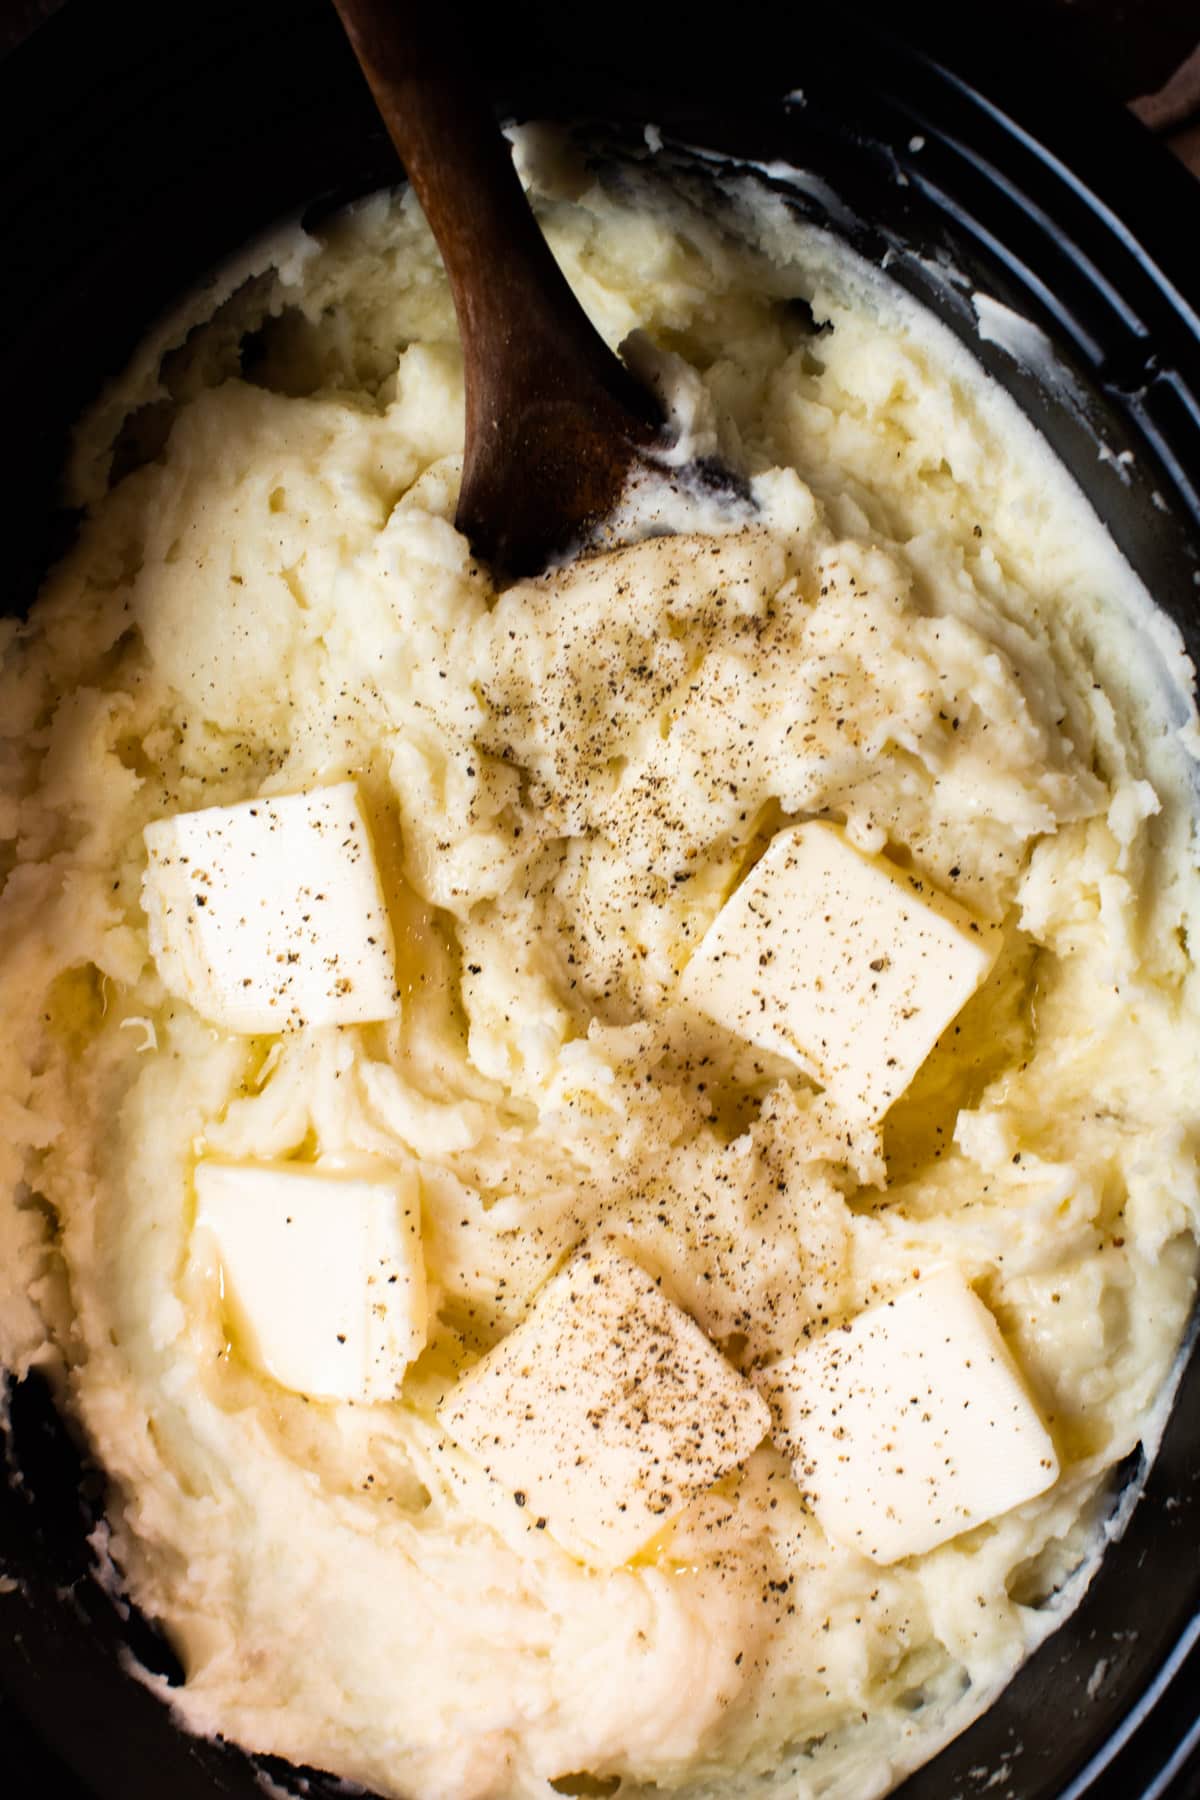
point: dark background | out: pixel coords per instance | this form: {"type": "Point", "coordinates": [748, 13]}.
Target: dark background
{"type": "Point", "coordinates": [1132, 47]}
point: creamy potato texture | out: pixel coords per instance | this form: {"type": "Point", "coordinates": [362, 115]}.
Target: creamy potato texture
{"type": "Point", "coordinates": [922, 635]}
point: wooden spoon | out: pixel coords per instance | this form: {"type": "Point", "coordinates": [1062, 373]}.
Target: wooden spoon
{"type": "Point", "coordinates": [555, 422]}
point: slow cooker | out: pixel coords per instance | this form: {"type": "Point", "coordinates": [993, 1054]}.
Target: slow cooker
{"type": "Point", "coordinates": [139, 146]}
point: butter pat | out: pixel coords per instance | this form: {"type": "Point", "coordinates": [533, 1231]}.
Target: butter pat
{"type": "Point", "coordinates": [844, 963]}
{"type": "Point", "coordinates": [322, 1276]}
{"type": "Point", "coordinates": [269, 916]}
{"type": "Point", "coordinates": [605, 1410]}
{"type": "Point", "coordinates": [911, 1424]}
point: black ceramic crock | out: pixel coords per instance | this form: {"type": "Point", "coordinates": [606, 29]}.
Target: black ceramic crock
{"type": "Point", "coordinates": [139, 145]}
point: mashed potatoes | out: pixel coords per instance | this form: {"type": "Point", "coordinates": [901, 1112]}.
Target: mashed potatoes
{"type": "Point", "coordinates": [923, 636]}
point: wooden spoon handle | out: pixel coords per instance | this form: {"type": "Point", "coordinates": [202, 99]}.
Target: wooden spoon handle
{"type": "Point", "coordinates": [553, 419]}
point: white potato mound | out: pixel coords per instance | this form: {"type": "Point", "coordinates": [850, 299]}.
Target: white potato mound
{"type": "Point", "coordinates": [924, 636]}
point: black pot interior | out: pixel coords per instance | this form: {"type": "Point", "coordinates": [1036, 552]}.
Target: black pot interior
{"type": "Point", "coordinates": [137, 149]}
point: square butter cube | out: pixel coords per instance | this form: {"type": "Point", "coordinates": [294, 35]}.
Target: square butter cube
{"type": "Point", "coordinates": [844, 963]}
{"type": "Point", "coordinates": [321, 1273]}
{"type": "Point", "coordinates": [911, 1424]}
{"type": "Point", "coordinates": [605, 1410]}
{"type": "Point", "coordinates": [269, 916]}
